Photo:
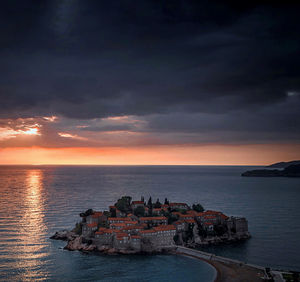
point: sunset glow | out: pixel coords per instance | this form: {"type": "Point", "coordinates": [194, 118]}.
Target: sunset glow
{"type": "Point", "coordinates": [30, 131]}
{"type": "Point", "coordinates": [157, 87]}
{"type": "Point", "coordinates": [153, 155]}
{"type": "Point", "coordinates": [7, 133]}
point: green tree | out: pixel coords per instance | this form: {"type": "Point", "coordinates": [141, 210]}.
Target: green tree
{"type": "Point", "coordinates": [202, 232]}
{"type": "Point", "coordinates": [113, 212]}
{"type": "Point", "coordinates": [123, 204]}
{"type": "Point", "coordinates": [176, 238]}
{"type": "Point", "coordinates": [197, 208]}
{"type": "Point", "coordinates": [172, 218]}
{"type": "Point", "coordinates": [150, 203]}
{"type": "Point", "coordinates": [157, 204]}
{"type": "Point", "coordinates": [78, 228]}
{"type": "Point", "coordinates": [139, 211]}
{"type": "Point", "coordinates": [166, 201]}
{"type": "Point", "coordinates": [86, 213]}
{"type": "Point", "coordinates": [220, 230]}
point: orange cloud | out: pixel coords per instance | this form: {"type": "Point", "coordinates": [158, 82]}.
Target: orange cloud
{"type": "Point", "coordinates": [154, 155]}
{"type": "Point", "coordinates": [50, 119]}
{"type": "Point", "coordinates": [68, 135]}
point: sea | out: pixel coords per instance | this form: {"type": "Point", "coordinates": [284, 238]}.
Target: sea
{"type": "Point", "coordinates": [37, 201]}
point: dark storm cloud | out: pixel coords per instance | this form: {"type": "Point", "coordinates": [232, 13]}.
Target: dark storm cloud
{"type": "Point", "coordinates": [189, 63]}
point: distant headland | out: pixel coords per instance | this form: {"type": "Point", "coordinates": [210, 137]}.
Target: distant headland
{"type": "Point", "coordinates": [283, 164]}
{"type": "Point", "coordinates": [290, 169]}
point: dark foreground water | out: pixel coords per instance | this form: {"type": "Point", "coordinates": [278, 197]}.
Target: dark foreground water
{"type": "Point", "coordinates": [37, 201]}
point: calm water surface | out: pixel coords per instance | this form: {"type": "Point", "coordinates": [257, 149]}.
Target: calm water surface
{"type": "Point", "coordinates": [37, 201]}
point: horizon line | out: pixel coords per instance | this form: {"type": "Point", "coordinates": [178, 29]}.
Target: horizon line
{"type": "Point", "coordinates": [133, 164]}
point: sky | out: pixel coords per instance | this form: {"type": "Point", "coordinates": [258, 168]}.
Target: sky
{"type": "Point", "coordinates": [149, 82]}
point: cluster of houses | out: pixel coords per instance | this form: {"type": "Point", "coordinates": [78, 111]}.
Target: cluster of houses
{"type": "Point", "coordinates": [158, 227]}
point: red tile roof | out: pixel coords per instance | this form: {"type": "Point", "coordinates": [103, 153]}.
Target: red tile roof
{"type": "Point", "coordinates": [133, 227]}
{"type": "Point", "coordinates": [212, 212]}
{"type": "Point", "coordinates": [186, 215]}
{"type": "Point", "coordinates": [209, 213]}
{"type": "Point", "coordinates": [208, 223]}
{"type": "Point", "coordinates": [164, 228]}
{"type": "Point", "coordinates": [224, 216]}
{"type": "Point", "coordinates": [91, 225]}
{"type": "Point", "coordinates": [119, 219]}
{"type": "Point", "coordinates": [148, 218]}
{"type": "Point", "coordinates": [210, 216]}
{"type": "Point", "coordinates": [137, 202]}
{"type": "Point", "coordinates": [97, 214]}
{"type": "Point", "coordinates": [132, 222]}
{"type": "Point", "coordinates": [121, 236]}
{"type": "Point", "coordinates": [147, 231]}
{"type": "Point", "coordinates": [118, 224]}
{"type": "Point", "coordinates": [190, 220]}
{"type": "Point", "coordinates": [178, 222]}
{"type": "Point", "coordinates": [136, 237]}
{"type": "Point", "coordinates": [99, 232]}
{"type": "Point", "coordinates": [192, 212]}
{"type": "Point", "coordinates": [110, 231]}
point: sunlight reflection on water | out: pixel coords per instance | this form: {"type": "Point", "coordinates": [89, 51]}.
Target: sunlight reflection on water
{"type": "Point", "coordinates": [32, 228]}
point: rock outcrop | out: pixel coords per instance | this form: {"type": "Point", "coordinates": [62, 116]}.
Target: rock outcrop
{"type": "Point", "coordinates": [64, 235]}
{"type": "Point", "coordinates": [77, 244]}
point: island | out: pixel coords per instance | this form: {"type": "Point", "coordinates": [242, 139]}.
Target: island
{"type": "Point", "coordinates": [131, 227]}
{"type": "Point", "coordinates": [136, 227]}
{"type": "Point", "coordinates": [289, 171]}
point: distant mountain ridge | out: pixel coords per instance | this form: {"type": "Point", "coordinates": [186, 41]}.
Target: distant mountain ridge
{"type": "Point", "coordinates": [290, 171]}
{"type": "Point", "coordinates": [283, 164]}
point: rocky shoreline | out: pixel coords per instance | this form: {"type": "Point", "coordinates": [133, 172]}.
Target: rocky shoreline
{"type": "Point", "coordinates": [77, 242]}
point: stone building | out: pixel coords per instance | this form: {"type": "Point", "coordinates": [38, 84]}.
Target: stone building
{"type": "Point", "coordinates": [118, 226]}
{"type": "Point", "coordinates": [88, 229]}
{"type": "Point", "coordinates": [179, 225]}
{"type": "Point", "coordinates": [185, 216]}
{"type": "Point", "coordinates": [118, 219]}
{"type": "Point", "coordinates": [165, 235]}
{"type": "Point", "coordinates": [135, 242]}
{"type": "Point", "coordinates": [149, 234]}
{"type": "Point", "coordinates": [237, 225]}
{"type": "Point", "coordinates": [121, 241]}
{"type": "Point", "coordinates": [135, 204]}
{"type": "Point", "coordinates": [133, 229]}
{"type": "Point", "coordinates": [157, 211]}
{"type": "Point", "coordinates": [104, 236]}
{"type": "Point", "coordinates": [96, 217]}
{"type": "Point", "coordinates": [154, 220]}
